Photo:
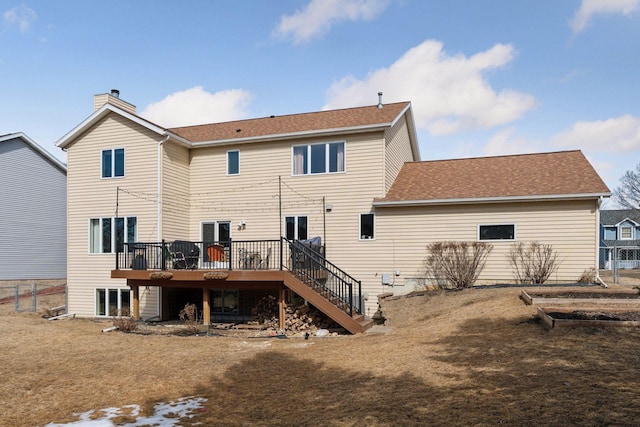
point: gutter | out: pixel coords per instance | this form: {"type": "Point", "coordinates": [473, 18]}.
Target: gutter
{"type": "Point", "coordinates": [478, 200]}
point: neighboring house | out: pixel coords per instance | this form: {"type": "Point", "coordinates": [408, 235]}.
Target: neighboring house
{"type": "Point", "coordinates": [33, 229]}
{"type": "Point", "coordinates": [244, 196]}
{"type": "Point", "coordinates": [620, 238]}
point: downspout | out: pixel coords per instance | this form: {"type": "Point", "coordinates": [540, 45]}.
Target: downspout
{"type": "Point", "coordinates": [159, 220]}
{"type": "Point", "coordinates": [598, 278]}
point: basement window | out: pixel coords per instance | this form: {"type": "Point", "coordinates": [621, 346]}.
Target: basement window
{"type": "Point", "coordinates": [113, 302]}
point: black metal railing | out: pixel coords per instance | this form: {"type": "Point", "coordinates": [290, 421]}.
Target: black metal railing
{"type": "Point", "coordinates": [307, 262]}
{"type": "Point", "coordinates": [188, 255]}
{"type": "Point", "coordinates": [303, 258]}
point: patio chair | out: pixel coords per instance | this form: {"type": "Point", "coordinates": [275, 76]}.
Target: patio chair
{"type": "Point", "coordinates": [184, 254]}
{"type": "Point", "coordinates": [264, 261]}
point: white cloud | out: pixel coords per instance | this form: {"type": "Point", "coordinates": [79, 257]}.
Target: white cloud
{"type": "Point", "coordinates": [21, 16]}
{"type": "Point", "coordinates": [506, 142]}
{"type": "Point", "coordinates": [619, 134]}
{"type": "Point", "coordinates": [196, 106]}
{"type": "Point", "coordinates": [449, 93]}
{"type": "Point", "coordinates": [317, 18]}
{"type": "Point", "coordinates": [589, 8]}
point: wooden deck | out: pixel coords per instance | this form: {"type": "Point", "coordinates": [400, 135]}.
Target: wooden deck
{"type": "Point", "coordinates": [240, 279]}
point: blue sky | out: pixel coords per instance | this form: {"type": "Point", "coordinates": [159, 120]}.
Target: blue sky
{"type": "Point", "coordinates": [485, 77]}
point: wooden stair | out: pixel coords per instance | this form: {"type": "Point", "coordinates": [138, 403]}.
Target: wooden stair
{"type": "Point", "coordinates": [332, 307]}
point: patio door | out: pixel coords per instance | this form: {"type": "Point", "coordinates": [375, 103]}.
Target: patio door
{"type": "Point", "coordinates": [218, 232]}
{"type": "Point", "coordinates": [296, 227]}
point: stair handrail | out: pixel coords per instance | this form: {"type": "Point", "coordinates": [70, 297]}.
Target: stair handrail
{"type": "Point", "coordinates": [320, 262]}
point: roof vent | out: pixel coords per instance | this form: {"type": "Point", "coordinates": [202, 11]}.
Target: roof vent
{"type": "Point", "coordinates": [380, 100]}
{"type": "Point", "coordinates": [115, 93]}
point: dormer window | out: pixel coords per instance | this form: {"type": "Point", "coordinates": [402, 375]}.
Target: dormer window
{"type": "Point", "coordinates": [625, 233]}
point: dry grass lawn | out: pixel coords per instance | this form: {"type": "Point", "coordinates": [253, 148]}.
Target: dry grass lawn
{"type": "Point", "coordinates": [472, 357]}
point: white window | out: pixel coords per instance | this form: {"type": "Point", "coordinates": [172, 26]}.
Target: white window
{"type": "Point", "coordinates": [625, 233]}
{"type": "Point", "coordinates": [113, 163]}
{"type": "Point", "coordinates": [296, 227]}
{"type": "Point", "coordinates": [107, 234]}
{"type": "Point", "coordinates": [233, 162]}
{"type": "Point", "coordinates": [318, 158]}
{"type": "Point", "coordinates": [113, 302]}
{"type": "Point", "coordinates": [367, 226]}
{"type": "Point", "coordinates": [497, 232]}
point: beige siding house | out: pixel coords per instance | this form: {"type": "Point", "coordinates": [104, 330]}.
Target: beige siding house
{"type": "Point", "coordinates": [248, 201]}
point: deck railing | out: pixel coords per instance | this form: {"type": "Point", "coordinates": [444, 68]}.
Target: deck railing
{"type": "Point", "coordinates": [305, 260]}
{"type": "Point", "coordinates": [308, 263]}
{"type": "Point", "coordinates": [188, 255]}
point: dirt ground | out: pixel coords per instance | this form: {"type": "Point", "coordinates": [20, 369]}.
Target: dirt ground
{"type": "Point", "coordinates": [471, 357]}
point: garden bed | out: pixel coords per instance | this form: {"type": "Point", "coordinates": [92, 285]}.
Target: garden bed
{"type": "Point", "coordinates": [583, 296]}
{"type": "Point", "coordinates": [555, 317]}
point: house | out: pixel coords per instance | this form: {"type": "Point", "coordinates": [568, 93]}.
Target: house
{"type": "Point", "coordinates": [33, 236]}
{"type": "Point", "coordinates": [332, 207]}
{"type": "Point", "coordinates": [620, 238]}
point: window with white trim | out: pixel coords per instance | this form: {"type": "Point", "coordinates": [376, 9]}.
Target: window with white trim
{"type": "Point", "coordinates": [233, 162]}
{"type": "Point", "coordinates": [113, 302]}
{"type": "Point", "coordinates": [367, 226]}
{"type": "Point", "coordinates": [497, 232]}
{"type": "Point", "coordinates": [113, 163]}
{"type": "Point", "coordinates": [318, 158]}
{"type": "Point", "coordinates": [296, 227]}
{"type": "Point", "coordinates": [625, 233]}
{"type": "Point", "coordinates": [107, 234]}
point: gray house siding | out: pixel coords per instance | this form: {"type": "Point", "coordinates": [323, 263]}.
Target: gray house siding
{"type": "Point", "coordinates": [33, 195]}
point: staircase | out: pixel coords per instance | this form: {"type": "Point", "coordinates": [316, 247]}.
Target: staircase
{"type": "Point", "coordinates": [326, 286]}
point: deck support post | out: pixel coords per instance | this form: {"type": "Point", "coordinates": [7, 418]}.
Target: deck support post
{"type": "Point", "coordinates": [206, 306]}
{"type": "Point", "coordinates": [281, 315]}
{"type": "Point", "coordinates": [136, 302]}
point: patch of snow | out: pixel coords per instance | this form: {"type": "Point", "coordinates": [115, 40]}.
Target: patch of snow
{"type": "Point", "coordinates": [164, 415]}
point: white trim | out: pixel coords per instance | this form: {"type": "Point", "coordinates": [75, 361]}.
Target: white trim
{"type": "Point", "coordinates": [474, 200]}
{"type": "Point", "coordinates": [227, 155]}
{"type": "Point", "coordinates": [106, 301]}
{"type": "Point", "coordinates": [360, 238]}
{"type": "Point", "coordinates": [295, 225]}
{"type": "Point", "coordinates": [98, 115]}
{"type": "Point", "coordinates": [626, 219]}
{"type": "Point", "coordinates": [113, 233]}
{"type": "Point", "coordinates": [411, 127]}
{"type": "Point", "coordinates": [113, 162]}
{"type": "Point", "coordinates": [630, 227]}
{"type": "Point", "coordinates": [327, 158]}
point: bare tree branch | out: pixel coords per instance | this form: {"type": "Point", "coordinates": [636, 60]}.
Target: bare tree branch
{"type": "Point", "coordinates": [627, 194]}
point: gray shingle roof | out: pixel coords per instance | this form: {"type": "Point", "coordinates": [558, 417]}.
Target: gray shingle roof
{"type": "Point", "coordinates": [615, 216]}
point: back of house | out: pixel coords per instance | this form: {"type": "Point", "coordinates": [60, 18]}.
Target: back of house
{"type": "Point", "coordinates": [349, 178]}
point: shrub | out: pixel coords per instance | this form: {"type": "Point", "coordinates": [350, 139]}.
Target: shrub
{"type": "Point", "coordinates": [588, 276]}
{"type": "Point", "coordinates": [459, 263]}
{"type": "Point", "coordinates": [532, 263]}
{"type": "Point", "coordinates": [189, 315]}
{"type": "Point", "coordinates": [124, 321]}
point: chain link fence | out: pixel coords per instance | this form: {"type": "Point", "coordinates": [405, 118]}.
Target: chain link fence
{"type": "Point", "coordinates": [32, 296]}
